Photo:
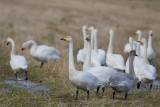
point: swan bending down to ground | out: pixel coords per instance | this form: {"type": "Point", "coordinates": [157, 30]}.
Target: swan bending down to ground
{"type": "Point", "coordinates": [80, 79]}
{"type": "Point", "coordinates": [123, 82]}
{"type": "Point", "coordinates": [42, 53]}
{"type": "Point", "coordinates": [101, 72]}
{"type": "Point", "coordinates": [147, 72]}
{"type": "Point", "coordinates": [82, 52]}
{"type": "Point", "coordinates": [150, 51]}
{"type": "Point", "coordinates": [114, 61]}
{"type": "Point", "coordinates": [99, 54]}
{"type": "Point", "coordinates": [18, 63]}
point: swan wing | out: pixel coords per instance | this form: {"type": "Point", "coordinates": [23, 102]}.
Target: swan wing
{"type": "Point", "coordinates": [115, 61]}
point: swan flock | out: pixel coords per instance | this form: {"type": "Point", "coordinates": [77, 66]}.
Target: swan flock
{"type": "Point", "coordinates": [100, 68]}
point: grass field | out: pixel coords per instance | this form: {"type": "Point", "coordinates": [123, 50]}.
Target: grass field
{"type": "Point", "coordinates": [47, 21]}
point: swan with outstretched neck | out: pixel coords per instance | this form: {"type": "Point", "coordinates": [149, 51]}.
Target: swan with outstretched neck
{"type": "Point", "coordinates": [80, 79]}
{"type": "Point", "coordinates": [41, 53]}
{"type": "Point", "coordinates": [81, 55]}
{"type": "Point", "coordinates": [147, 72]}
{"type": "Point", "coordinates": [150, 51]}
{"type": "Point", "coordinates": [101, 72]}
{"type": "Point", "coordinates": [18, 63]}
{"type": "Point", "coordinates": [100, 54]}
{"type": "Point", "coordinates": [114, 61]}
{"type": "Point", "coordinates": [123, 82]}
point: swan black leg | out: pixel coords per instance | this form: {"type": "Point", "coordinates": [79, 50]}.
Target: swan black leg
{"type": "Point", "coordinates": [41, 64]}
{"type": "Point", "coordinates": [113, 94]}
{"type": "Point", "coordinates": [16, 75]}
{"type": "Point", "coordinates": [138, 84]}
{"type": "Point", "coordinates": [26, 75]}
{"type": "Point", "coordinates": [76, 98]}
{"type": "Point", "coordinates": [103, 89]}
{"type": "Point", "coordinates": [97, 90]}
{"type": "Point", "coordinates": [88, 94]}
{"type": "Point", "coordinates": [150, 87]}
{"type": "Point", "coordinates": [126, 94]}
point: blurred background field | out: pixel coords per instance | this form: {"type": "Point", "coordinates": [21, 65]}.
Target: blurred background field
{"type": "Point", "coordinates": [47, 21]}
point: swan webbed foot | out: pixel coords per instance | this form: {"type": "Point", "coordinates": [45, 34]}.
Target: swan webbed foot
{"type": "Point", "coordinates": [16, 75]}
{"type": "Point", "coordinates": [26, 75]}
{"type": "Point", "coordinates": [151, 87]}
{"type": "Point", "coordinates": [97, 90]}
{"type": "Point", "coordinates": [103, 89]}
{"type": "Point", "coordinates": [138, 84]}
{"type": "Point", "coordinates": [41, 64]}
{"type": "Point", "coordinates": [126, 94]}
{"type": "Point", "coordinates": [113, 94]}
{"type": "Point", "coordinates": [88, 94]}
{"type": "Point", "coordinates": [76, 97]}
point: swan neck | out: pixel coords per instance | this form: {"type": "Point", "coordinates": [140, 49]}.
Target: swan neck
{"type": "Point", "coordinates": [71, 58]}
{"type": "Point", "coordinates": [95, 43]}
{"type": "Point", "coordinates": [13, 52]}
{"type": "Point", "coordinates": [139, 36]}
{"type": "Point", "coordinates": [110, 47]}
{"type": "Point", "coordinates": [145, 59]}
{"type": "Point", "coordinates": [87, 62]}
{"type": "Point", "coordinates": [131, 68]}
{"type": "Point", "coordinates": [138, 49]}
{"type": "Point", "coordinates": [131, 45]}
{"type": "Point", "coordinates": [92, 38]}
{"type": "Point", "coordinates": [150, 42]}
{"type": "Point", "coordinates": [84, 37]}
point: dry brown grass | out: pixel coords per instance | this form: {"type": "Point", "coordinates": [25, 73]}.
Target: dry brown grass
{"type": "Point", "coordinates": [46, 21]}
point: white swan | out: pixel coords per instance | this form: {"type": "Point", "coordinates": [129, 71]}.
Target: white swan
{"type": "Point", "coordinates": [101, 72]}
{"type": "Point", "coordinates": [123, 82]}
{"type": "Point", "coordinates": [42, 53]}
{"type": "Point", "coordinates": [82, 52]}
{"type": "Point", "coordinates": [127, 47]}
{"type": "Point", "coordinates": [139, 33]}
{"type": "Point", "coordinates": [18, 63]}
{"type": "Point", "coordinates": [147, 71]}
{"type": "Point", "coordinates": [100, 55]}
{"type": "Point", "coordinates": [80, 79]}
{"type": "Point", "coordinates": [150, 51]}
{"type": "Point", "coordinates": [114, 61]}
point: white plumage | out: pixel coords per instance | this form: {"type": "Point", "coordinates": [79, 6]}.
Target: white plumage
{"type": "Point", "coordinates": [42, 53]}
{"type": "Point", "coordinates": [81, 55]}
{"type": "Point", "coordinates": [18, 63]}
{"type": "Point", "coordinates": [101, 72]}
{"type": "Point", "coordinates": [114, 61]}
{"type": "Point", "coordinates": [80, 79]}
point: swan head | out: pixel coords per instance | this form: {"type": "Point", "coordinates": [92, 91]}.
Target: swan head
{"type": "Point", "coordinates": [142, 41]}
{"type": "Point", "coordinates": [138, 32]}
{"type": "Point", "coordinates": [8, 40]}
{"type": "Point", "coordinates": [88, 38]}
{"type": "Point", "coordinates": [150, 33]}
{"type": "Point", "coordinates": [68, 39]}
{"type": "Point", "coordinates": [85, 27]}
{"type": "Point", "coordinates": [133, 53]}
{"type": "Point", "coordinates": [90, 28]}
{"type": "Point", "coordinates": [111, 32]}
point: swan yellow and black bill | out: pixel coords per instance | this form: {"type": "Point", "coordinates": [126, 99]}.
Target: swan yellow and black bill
{"type": "Point", "coordinates": [87, 37]}
{"type": "Point", "coordinates": [64, 39]}
{"type": "Point", "coordinates": [140, 41]}
{"type": "Point", "coordinates": [89, 28]}
{"type": "Point", "coordinates": [135, 33]}
{"type": "Point", "coordinates": [151, 34]}
{"type": "Point", "coordinates": [23, 48]}
{"type": "Point", "coordinates": [7, 43]}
